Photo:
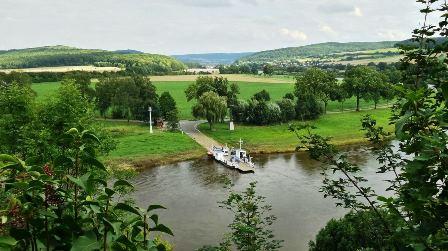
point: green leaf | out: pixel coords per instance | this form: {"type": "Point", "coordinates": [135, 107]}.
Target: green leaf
{"type": "Point", "coordinates": [122, 183]}
{"type": "Point", "coordinates": [85, 243]}
{"type": "Point", "coordinates": [7, 241]}
{"type": "Point", "coordinates": [400, 124]}
{"type": "Point", "coordinates": [78, 182]}
{"type": "Point", "coordinates": [109, 192]}
{"type": "Point", "coordinates": [153, 207]}
{"type": "Point", "coordinates": [89, 135]}
{"type": "Point", "coordinates": [8, 158]}
{"type": "Point", "coordinates": [162, 228]}
{"type": "Point", "coordinates": [114, 226]}
{"type": "Point", "coordinates": [102, 182]}
{"type": "Point", "coordinates": [127, 208]}
{"type": "Point", "coordinates": [155, 218]}
{"type": "Point", "coordinates": [95, 162]}
{"type": "Point", "coordinates": [73, 131]}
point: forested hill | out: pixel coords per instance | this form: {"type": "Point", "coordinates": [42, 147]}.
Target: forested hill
{"type": "Point", "coordinates": [212, 58]}
{"type": "Point", "coordinates": [315, 50]}
{"type": "Point", "coordinates": [51, 56]}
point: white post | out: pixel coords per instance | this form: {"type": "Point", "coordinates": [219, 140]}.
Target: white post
{"type": "Point", "coordinates": [241, 142]}
{"type": "Point", "coordinates": [150, 119]}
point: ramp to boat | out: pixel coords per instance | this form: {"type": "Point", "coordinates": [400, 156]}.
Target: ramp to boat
{"type": "Point", "coordinates": [190, 128]}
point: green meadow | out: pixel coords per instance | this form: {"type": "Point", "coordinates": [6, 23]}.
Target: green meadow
{"type": "Point", "coordinates": [344, 128]}
{"type": "Point", "coordinates": [138, 146]}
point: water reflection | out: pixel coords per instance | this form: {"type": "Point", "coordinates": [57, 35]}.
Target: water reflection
{"type": "Point", "coordinates": [190, 190]}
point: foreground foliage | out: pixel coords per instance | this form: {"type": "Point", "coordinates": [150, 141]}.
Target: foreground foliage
{"type": "Point", "coordinates": [67, 204]}
{"type": "Point", "coordinates": [250, 229]}
{"type": "Point", "coordinates": [415, 215]}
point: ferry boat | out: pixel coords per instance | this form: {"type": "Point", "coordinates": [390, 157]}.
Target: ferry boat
{"type": "Point", "coordinates": [237, 159]}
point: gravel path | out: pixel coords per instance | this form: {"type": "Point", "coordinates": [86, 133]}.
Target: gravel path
{"type": "Point", "coordinates": [190, 128]}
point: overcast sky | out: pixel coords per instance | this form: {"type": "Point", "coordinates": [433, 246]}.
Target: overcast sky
{"type": "Point", "coordinates": [194, 26]}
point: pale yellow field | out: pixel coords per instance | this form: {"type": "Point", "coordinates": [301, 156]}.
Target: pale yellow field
{"type": "Point", "coordinates": [230, 77]}
{"type": "Point", "coordinates": [88, 68]}
{"type": "Point", "coordinates": [392, 59]}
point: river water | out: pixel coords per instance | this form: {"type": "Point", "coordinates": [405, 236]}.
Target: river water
{"type": "Point", "coordinates": [290, 182]}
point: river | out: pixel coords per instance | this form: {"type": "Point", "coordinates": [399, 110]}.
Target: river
{"type": "Point", "coordinates": [290, 182]}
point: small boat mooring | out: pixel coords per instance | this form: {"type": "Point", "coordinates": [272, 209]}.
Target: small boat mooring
{"type": "Point", "coordinates": [237, 159]}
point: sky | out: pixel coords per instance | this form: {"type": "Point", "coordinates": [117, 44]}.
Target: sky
{"type": "Point", "coordinates": [199, 26]}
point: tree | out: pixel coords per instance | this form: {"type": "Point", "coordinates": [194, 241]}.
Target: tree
{"type": "Point", "coordinates": [362, 82]}
{"type": "Point", "coordinates": [172, 118]}
{"type": "Point", "coordinates": [354, 231]}
{"type": "Point", "coordinates": [239, 111]}
{"type": "Point", "coordinates": [318, 83]}
{"type": "Point", "coordinates": [83, 82]}
{"type": "Point", "coordinates": [263, 95]}
{"type": "Point", "coordinates": [289, 95]}
{"type": "Point", "coordinates": [268, 69]}
{"type": "Point", "coordinates": [232, 94]}
{"type": "Point", "coordinates": [211, 107]}
{"type": "Point", "coordinates": [17, 110]}
{"type": "Point", "coordinates": [65, 110]}
{"type": "Point", "coordinates": [127, 97]}
{"type": "Point", "coordinates": [105, 91]}
{"type": "Point", "coordinates": [250, 229]}
{"type": "Point", "coordinates": [202, 85]}
{"type": "Point", "coordinates": [167, 104]}
{"type": "Point", "coordinates": [287, 108]}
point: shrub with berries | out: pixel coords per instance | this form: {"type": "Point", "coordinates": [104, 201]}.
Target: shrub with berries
{"type": "Point", "coordinates": [72, 208]}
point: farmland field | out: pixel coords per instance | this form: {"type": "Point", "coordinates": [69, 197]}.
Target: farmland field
{"type": "Point", "coordinates": [230, 77]}
{"type": "Point", "coordinates": [88, 68]}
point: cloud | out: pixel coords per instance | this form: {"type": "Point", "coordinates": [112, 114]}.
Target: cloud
{"type": "Point", "coordinates": [204, 3]}
{"type": "Point", "coordinates": [357, 12]}
{"type": "Point", "coordinates": [392, 35]}
{"type": "Point", "coordinates": [328, 30]}
{"type": "Point", "coordinates": [294, 34]}
{"type": "Point", "coordinates": [336, 8]}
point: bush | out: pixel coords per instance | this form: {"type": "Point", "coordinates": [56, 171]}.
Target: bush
{"type": "Point", "coordinates": [355, 231]}
{"type": "Point", "coordinates": [288, 111]}
{"type": "Point", "coordinates": [263, 113]}
{"type": "Point", "coordinates": [307, 107]}
{"type": "Point", "coordinates": [172, 118]}
{"type": "Point", "coordinates": [239, 111]}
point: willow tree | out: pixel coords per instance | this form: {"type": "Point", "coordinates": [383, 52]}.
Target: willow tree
{"type": "Point", "coordinates": [211, 107]}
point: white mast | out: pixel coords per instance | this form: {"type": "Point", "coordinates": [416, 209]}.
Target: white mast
{"type": "Point", "coordinates": [150, 119]}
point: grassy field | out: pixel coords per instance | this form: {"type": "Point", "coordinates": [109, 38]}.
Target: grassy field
{"type": "Point", "coordinates": [344, 128]}
{"type": "Point", "coordinates": [247, 89]}
{"type": "Point", "coordinates": [137, 146]}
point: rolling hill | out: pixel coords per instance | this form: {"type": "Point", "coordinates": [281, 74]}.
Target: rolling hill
{"type": "Point", "coordinates": [212, 58]}
{"type": "Point", "coordinates": [330, 52]}
{"type": "Point", "coordinates": [53, 56]}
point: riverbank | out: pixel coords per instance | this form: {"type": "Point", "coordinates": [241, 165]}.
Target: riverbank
{"type": "Point", "coordinates": [137, 147]}
{"type": "Point", "coordinates": [343, 128]}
